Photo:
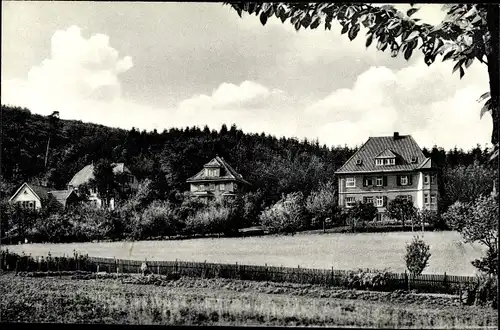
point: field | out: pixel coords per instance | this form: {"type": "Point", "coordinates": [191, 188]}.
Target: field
{"type": "Point", "coordinates": [188, 301]}
{"type": "Point", "coordinates": [340, 251]}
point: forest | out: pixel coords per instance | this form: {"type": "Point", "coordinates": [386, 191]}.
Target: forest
{"type": "Point", "coordinates": [39, 148]}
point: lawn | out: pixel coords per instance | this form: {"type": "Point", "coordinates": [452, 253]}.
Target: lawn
{"type": "Point", "coordinates": [340, 251]}
{"type": "Point", "coordinates": [189, 301]}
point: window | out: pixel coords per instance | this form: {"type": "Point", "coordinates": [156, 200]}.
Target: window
{"type": "Point", "coordinates": [433, 199]}
{"type": "Point", "coordinates": [212, 186]}
{"type": "Point", "coordinates": [350, 182]}
{"type": "Point", "coordinates": [426, 178]}
{"type": "Point", "coordinates": [426, 199]}
{"type": "Point", "coordinates": [404, 180]}
{"type": "Point", "coordinates": [368, 182]}
{"type": "Point", "coordinates": [379, 181]}
{"type": "Point", "coordinates": [380, 201]}
{"type": "Point", "coordinates": [212, 172]}
{"type": "Point", "coordinates": [201, 187]}
{"type": "Point", "coordinates": [408, 198]}
{"type": "Point", "coordinates": [369, 200]}
{"type": "Point", "coordinates": [379, 162]}
{"type": "Point", "coordinates": [433, 178]}
{"type": "Point", "coordinates": [222, 187]}
{"type": "Point", "coordinates": [27, 205]}
{"type": "Point", "coordinates": [390, 161]}
{"type": "Point", "coordinates": [350, 201]}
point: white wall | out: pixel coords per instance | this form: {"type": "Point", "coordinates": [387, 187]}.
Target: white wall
{"type": "Point", "coordinates": [25, 194]}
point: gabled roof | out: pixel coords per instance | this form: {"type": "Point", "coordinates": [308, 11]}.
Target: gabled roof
{"type": "Point", "coordinates": [427, 163]}
{"type": "Point", "coordinates": [39, 191]}
{"type": "Point", "coordinates": [227, 172]}
{"type": "Point", "coordinates": [386, 154]}
{"type": "Point", "coordinates": [87, 173]}
{"type": "Point", "coordinates": [403, 147]}
{"type": "Point", "coordinates": [62, 195]}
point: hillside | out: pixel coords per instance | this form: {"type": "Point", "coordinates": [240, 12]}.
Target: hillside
{"type": "Point", "coordinates": [275, 165]}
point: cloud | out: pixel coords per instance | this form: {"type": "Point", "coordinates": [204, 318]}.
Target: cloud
{"type": "Point", "coordinates": [78, 70]}
{"type": "Point", "coordinates": [230, 96]}
{"type": "Point", "coordinates": [82, 78]}
{"type": "Point", "coordinates": [426, 102]}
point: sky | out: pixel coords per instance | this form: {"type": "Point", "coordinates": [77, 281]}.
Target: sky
{"type": "Point", "coordinates": [161, 65]}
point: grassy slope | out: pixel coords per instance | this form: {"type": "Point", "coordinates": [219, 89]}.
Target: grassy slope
{"type": "Point", "coordinates": [225, 302]}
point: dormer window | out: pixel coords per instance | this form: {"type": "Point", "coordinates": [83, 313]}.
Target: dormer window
{"type": "Point", "coordinates": [212, 172]}
{"type": "Point", "coordinates": [359, 162]}
{"type": "Point", "coordinates": [385, 161]}
{"type": "Point", "coordinates": [414, 160]}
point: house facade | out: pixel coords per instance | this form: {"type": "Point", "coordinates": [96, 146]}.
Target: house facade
{"type": "Point", "coordinates": [385, 168]}
{"type": "Point", "coordinates": [127, 183]}
{"type": "Point", "coordinates": [32, 196]}
{"type": "Point", "coordinates": [216, 180]}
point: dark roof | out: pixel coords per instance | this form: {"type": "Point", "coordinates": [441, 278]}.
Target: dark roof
{"type": "Point", "coordinates": [87, 173]}
{"type": "Point", "coordinates": [228, 173]}
{"type": "Point", "coordinates": [61, 195]}
{"type": "Point", "coordinates": [404, 148]}
{"type": "Point", "coordinates": [40, 191]}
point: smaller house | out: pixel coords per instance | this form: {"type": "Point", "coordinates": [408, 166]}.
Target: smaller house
{"type": "Point", "coordinates": [32, 196]}
{"type": "Point", "coordinates": [128, 182]}
{"type": "Point", "coordinates": [216, 180]}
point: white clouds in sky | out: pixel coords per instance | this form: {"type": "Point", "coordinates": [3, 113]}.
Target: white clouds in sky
{"type": "Point", "coordinates": [418, 100]}
{"type": "Point", "coordinates": [81, 79]}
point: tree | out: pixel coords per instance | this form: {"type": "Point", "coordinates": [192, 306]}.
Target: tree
{"type": "Point", "coordinates": [478, 222]}
{"type": "Point", "coordinates": [360, 213]}
{"type": "Point", "coordinates": [53, 126]}
{"type": "Point", "coordinates": [467, 183]}
{"type": "Point", "coordinates": [104, 181]}
{"type": "Point", "coordinates": [468, 32]}
{"type": "Point", "coordinates": [322, 204]}
{"type": "Point", "coordinates": [417, 256]}
{"type": "Point", "coordinates": [286, 216]}
{"type": "Point", "coordinates": [402, 210]}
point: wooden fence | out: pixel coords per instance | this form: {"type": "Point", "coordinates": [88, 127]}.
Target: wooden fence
{"type": "Point", "coordinates": [328, 277]}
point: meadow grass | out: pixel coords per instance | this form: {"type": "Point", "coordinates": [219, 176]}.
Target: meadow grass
{"type": "Point", "coordinates": [224, 302]}
{"type": "Point", "coordinates": [340, 251]}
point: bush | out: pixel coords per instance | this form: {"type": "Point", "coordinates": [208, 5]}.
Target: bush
{"type": "Point", "coordinates": [286, 216]}
{"type": "Point", "coordinates": [215, 218]}
{"type": "Point", "coordinates": [359, 214]}
{"type": "Point", "coordinates": [159, 219]}
{"type": "Point", "coordinates": [322, 204]}
{"type": "Point", "coordinates": [56, 228]}
{"type": "Point", "coordinates": [482, 292]}
{"type": "Point", "coordinates": [417, 256]}
{"type": "Point", "coordinates": [377, 280]}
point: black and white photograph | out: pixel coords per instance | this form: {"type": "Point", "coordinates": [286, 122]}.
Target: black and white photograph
{"type": "Point", "coordinates": [250, 164]}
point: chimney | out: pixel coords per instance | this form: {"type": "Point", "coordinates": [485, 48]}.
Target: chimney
{"type": "Point", "coordinates": [396, 135]}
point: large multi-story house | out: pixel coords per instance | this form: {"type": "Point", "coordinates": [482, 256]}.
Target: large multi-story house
{"type": "Point", "coordinates": [387, 167]}
{"type": "Point", "coordinates": [216, 180]}
{"type": "Point", "coordinates": [127, 183]}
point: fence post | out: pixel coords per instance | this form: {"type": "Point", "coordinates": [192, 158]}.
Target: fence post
{"type": "Point", "coordinates": [157, 267]}
{"type": "Point", "coordinates": [266, 273]}
{"type": "Point", "coordinates": [333, 277]}
{"type": "Point", "coordinates": [98, 268]}
{"type": "Point", "coordinates": [237, 270]}
{"type": "Point", "coordinates": [176, 266]}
